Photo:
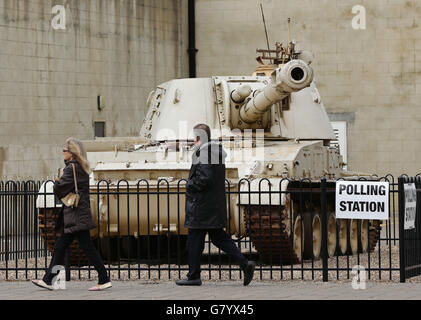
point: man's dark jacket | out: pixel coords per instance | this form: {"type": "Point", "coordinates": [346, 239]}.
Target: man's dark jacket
{"type": "Point", "coordinates": [205, 190]}
{"type": "Point", "coordinates": [80, 218]}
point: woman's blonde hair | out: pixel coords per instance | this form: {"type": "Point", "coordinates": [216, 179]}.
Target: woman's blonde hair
{"type": "Point", "coordinates": [76, 148]}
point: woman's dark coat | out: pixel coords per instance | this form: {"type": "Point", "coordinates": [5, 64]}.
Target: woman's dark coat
{"type": "Point", "coordinates": [80, 218]}
{"type": "Point", "coordinates": [206, 206]}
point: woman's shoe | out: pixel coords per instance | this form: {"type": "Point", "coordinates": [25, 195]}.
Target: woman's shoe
{"type": "Point", "coordinates": [100, 287]}
{"type": "Point", "coordinates": [42, 284]}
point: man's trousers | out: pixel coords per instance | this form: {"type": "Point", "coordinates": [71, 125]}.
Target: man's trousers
{"type": "Point", "coordinates": [220, 239]}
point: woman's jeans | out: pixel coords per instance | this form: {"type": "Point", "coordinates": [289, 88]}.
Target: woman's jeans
{"type": "Point", "coordinates": [85, 242]}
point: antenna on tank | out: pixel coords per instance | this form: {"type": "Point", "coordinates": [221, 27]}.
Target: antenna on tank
{"type": "Point", "coordinates": [264, 24]}
{"type": "Point", "coordinates": [289, 38]}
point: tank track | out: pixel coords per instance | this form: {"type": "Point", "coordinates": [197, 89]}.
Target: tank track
{"type": "Point", "coordinates": [264, 224]}
{"type": "Point", "coordinates": [47, 221]}
{"type": "Point", "coordinates": [374, 233]}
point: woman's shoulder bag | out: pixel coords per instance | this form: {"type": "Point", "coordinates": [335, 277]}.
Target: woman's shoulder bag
{"type": "Point", "coordinates": [72, 199]}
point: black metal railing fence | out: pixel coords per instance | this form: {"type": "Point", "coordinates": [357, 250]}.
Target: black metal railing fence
{"type": "Point", "coordinates": [410, 239]}
{"type": "Point", "coordinates": [143, 237]}
{"type": "Point", "coordinates": [19, 236]}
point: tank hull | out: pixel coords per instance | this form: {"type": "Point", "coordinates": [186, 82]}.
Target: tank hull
{"type": "Point", "coordinates": [146, 198]}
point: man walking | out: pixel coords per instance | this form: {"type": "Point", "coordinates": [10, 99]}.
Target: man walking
{"type": "Point", "coordinates": [206, 209]}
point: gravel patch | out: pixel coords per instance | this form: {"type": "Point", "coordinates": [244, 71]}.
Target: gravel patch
{"type": "Point", "coordinates": [386, 258]}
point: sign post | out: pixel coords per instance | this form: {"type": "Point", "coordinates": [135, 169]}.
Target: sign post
{"type": "Point", "coordinates": [323, 202]}
{"type": "Point", "coordinates": [402, 262]}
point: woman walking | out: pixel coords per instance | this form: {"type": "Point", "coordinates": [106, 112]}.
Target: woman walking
{"type": "Point", "coordinates": [77, 220]}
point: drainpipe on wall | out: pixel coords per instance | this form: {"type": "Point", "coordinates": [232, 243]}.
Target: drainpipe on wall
{"type": "Point", "coordinates": [192, 40]}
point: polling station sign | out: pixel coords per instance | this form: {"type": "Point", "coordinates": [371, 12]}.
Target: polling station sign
{"type": "Point", "coordinates": [362, 200]}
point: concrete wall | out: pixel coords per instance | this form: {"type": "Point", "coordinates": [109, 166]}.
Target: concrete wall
{"type": "Point", "coordinates": [50, 79]}
{"type": "Point", "coordinates": [370, 78]}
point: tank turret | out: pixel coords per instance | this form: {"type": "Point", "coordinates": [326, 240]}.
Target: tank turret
{"type": "Point", "coordinates": [292, 77]}
{"type": "Point", "coordinates": [285, 104]}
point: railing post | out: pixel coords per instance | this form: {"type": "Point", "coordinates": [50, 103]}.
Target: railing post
{"type": "Point", "coordinates": [6, 229]}
{"type": "Point", "coordinates": [401, 195]}
{"type": "Point", "coordinates": [323, 203]}
{"type": "Point", "coordinates": [25, 225]}
{"type": "Point", "coordinates": [67, 263]}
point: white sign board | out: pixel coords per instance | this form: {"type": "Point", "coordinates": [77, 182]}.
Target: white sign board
{"type": "Point", "coordinates": [362, 200]}
{"type": "Point", "coordinates": [410, 205]}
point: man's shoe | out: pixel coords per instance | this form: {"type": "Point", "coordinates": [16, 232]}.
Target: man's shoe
{"type": "Point", "coordinates": [187, 282]}
{"type": "Point", "coordinates": [248, 272]}
{"type": "Point", "coordinates": [42, 284]}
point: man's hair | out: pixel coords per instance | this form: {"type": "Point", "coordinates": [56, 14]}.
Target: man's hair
{"type": "Point", "coordinates": [203, 132]}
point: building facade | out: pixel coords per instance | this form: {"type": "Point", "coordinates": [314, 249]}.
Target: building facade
{"type": "Point", "coordinates": [80, 68]}
{"type": "Point", "coordinates": [93, 77]}
{"type": "Point", "coordinates": [367, 66]}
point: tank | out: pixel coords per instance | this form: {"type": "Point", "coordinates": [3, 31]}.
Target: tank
{"type": "Point", "coordinates": [277, 134]}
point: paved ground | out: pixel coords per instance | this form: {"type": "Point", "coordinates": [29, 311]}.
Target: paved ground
{"type": "Point", "coordinates": [210, 290]}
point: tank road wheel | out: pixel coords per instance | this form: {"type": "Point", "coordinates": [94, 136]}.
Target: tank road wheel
{"type": "Point", "coordinates": [374, 227]}
{"type": "Point", "coordinates": [342, 236]}
{"type": "Point", "coordinates": [363, 236]}
{"type": "Point", "coordinates": [353, 236]}
{"type": "Point", "coordinates": [46, 224]}
{"type": "Point", "coordinates": [269, 229]}
{"type": "Point", "coordinates": [298, 238]}
{"type": "Point", "coordinates": [128, 247]}
{"type": "Point", "coordinates": [331, 235]}
{"type": "Point", "coordinates": [179, 246]}
{"type": "Point", "coordinates": [108, 249]}
{"type": "Point", "coordinates": [313, 242]}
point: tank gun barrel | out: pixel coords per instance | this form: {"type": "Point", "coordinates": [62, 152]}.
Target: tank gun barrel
{"type": "Point", "coordinates": [241, 93]}
{"type": "Point", "coordinates": [293, 76]}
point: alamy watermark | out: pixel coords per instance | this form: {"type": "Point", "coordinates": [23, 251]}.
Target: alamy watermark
{"type": "Point", "coordinates": [59, 20]}
{"type": "Point", "coordinates": [59, 281]}
{"type": "Point", "coordinates": [359, 279]}
{"type": "Point", "coordinates": [244, 146]}
{"type": "Point", "coordinates": [359, 20]}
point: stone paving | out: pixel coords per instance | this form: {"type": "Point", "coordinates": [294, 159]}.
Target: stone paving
{"type": "Point", "coordinates": [214, 290]}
